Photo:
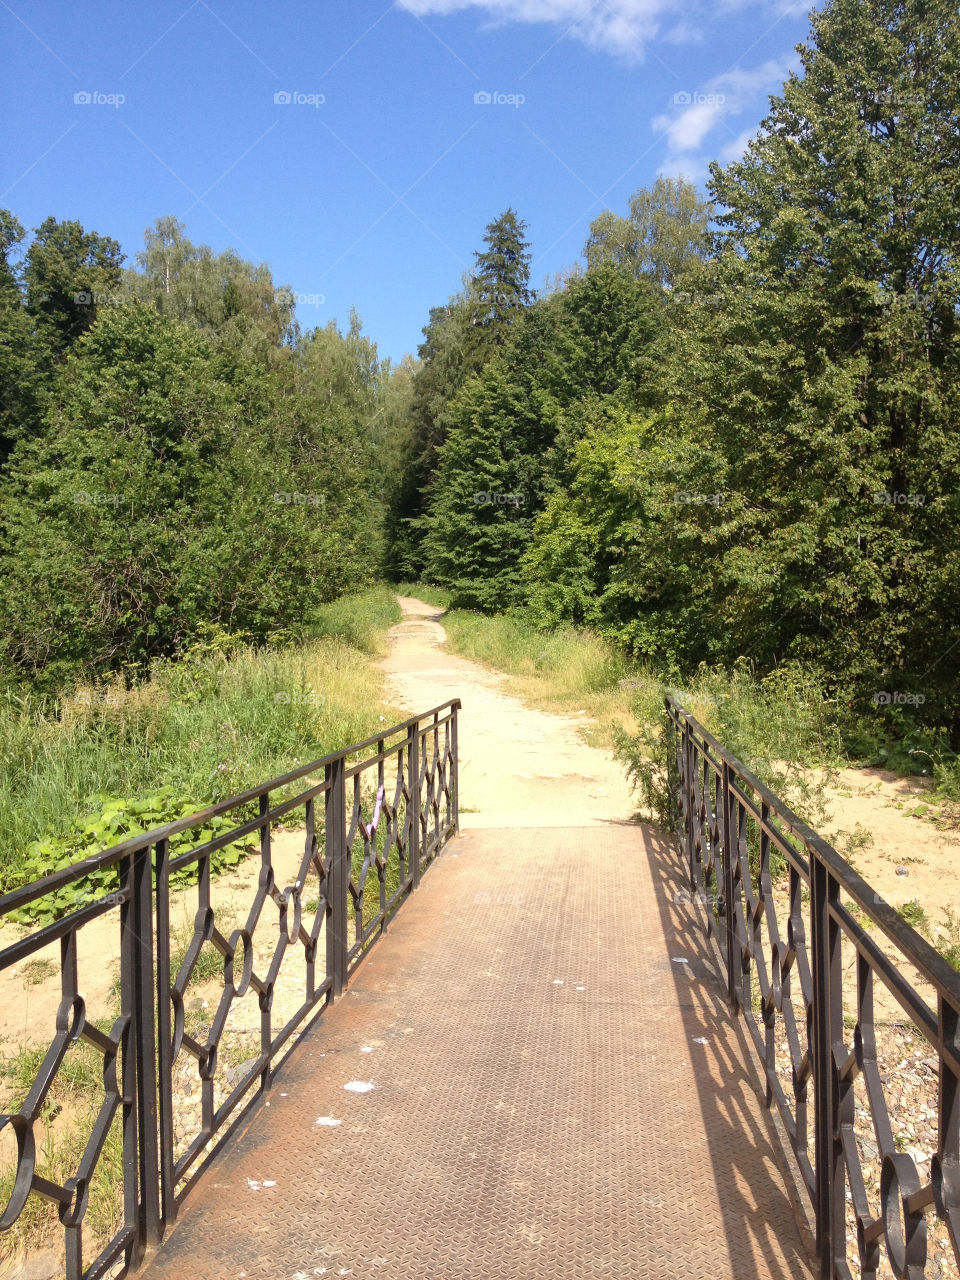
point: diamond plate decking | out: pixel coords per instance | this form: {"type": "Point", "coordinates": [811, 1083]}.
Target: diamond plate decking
{"type": "Point", "coordinates": [542, 1107]}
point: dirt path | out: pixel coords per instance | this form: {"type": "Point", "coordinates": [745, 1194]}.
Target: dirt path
{"type": "Point", "coordinates": [518, 767]}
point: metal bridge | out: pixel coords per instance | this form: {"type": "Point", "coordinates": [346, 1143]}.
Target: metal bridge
{"type": "Point", "coordinates": [575, 1052]}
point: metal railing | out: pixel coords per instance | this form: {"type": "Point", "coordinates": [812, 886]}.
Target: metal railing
{"type": "Point", "coordinates": [274, 966]}
{"type": "Point", "coordinates": [814, 961]}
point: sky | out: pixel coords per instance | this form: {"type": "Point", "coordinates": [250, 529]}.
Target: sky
{"type": "Point", "coordinates": [361, 147]}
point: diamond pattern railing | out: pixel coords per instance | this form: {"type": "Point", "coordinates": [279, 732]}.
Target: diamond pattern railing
{"type": "Point", "coordinates": [203, 1024]}
{"type": "Point", "coordinates": [836, 989]}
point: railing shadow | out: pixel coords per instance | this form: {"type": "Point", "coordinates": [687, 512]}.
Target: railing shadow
{"type": "Point", "coordinates": [751, 1167]}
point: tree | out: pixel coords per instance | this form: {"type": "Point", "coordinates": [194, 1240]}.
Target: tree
{"type": "Point", "coordinates": [513, 425]}
{"type": "Point", "coordinates": [822, 361]}
{"type": "Point", "coordinates": [233, 301]}
{"type": "Point", "coordinates": [20, 381]}
{"type": "Point", "coordinates": [162, 496]}
{"type": "Point", "coordinates": [665, 232]}
{"type": "Point", "coordinates": [70, 274]}
{"type": "Point", "coordinates": [459, 339]}
{"type": "Point", "coordinates": [501, 277]}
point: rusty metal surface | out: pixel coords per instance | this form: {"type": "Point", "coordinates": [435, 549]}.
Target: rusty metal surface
{"type": "Point", "coordinates": [542, 1104]}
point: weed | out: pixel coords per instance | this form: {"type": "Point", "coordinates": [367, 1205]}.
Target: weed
{"type": "Point", "coordinates": [915, 916]}
{"type": "Point", "coordinates": [33, 972]}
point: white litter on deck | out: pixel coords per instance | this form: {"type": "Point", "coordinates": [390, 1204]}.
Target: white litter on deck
{"type": "Point", "coordinates": [359, 1086]}
{"type": "Point", "coordinates": [700, 1040]}
{"type": "Point", "coordinates": [328, 1121]}
{"type": "Point", "coordinates": [679, 959]}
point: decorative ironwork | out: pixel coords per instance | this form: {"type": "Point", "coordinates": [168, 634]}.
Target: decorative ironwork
{"type": "Point", "coordinates": [812, 954]}
{"type": "Point", "coordinates": [276, 965]}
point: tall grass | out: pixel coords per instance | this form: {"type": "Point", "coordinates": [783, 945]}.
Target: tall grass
{"type": "Point", "coordinates": [361, 620]}
{"type": "Point", "coordinates": [219, 720]}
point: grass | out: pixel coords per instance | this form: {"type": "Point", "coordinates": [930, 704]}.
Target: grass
{"type": "Point", "coordinates": [781, 726]}
{"type": "Point", "coordinates": [34, 972]}
{"type": "Point", "coordinates": [565, 670]}
{"type": "Point", "coordinates": [223, 718]}
{"type": "Point", "coordinates": [70, 1110]}
{"type": "Point", "coordinates": [361, 621]}
{"type": "Point", "coordinates": [915, 916]}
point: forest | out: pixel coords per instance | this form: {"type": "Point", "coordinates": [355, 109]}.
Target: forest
{"type": "Point", "coordinates": [727, 435]}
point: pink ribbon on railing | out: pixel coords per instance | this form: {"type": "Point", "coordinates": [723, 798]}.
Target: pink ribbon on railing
{"type": "Point", "coordinates": [371, 828]}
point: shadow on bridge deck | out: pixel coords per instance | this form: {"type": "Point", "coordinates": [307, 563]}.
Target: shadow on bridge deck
{"type": "Point", "coordinates": [542, 1106]}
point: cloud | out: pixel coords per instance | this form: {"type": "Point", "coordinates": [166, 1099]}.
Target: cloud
{"type": "Point", "coordinates": [686, 131]}
{"type": "Point", "coordinates": [727, 95]}
{"type": "Point", "coordinates": [617, 26]}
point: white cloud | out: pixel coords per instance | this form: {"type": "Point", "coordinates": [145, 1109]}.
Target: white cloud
{"type": "Point", "coordinates": [617, 26]}
{"type": "Point", "coordinates": [686, 131]}
{"type": "Point", "coordinates": [727, 95]}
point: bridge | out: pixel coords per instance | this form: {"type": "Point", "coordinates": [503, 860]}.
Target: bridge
{"type": "Point", "coordinates": [409, 1044]}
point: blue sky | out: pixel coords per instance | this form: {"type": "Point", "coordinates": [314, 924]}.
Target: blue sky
{"type": "Point", "coordinates": [371, 186]}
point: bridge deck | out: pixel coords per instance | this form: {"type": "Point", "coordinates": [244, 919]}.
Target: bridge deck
{"type": "Point", "coordinates": [542, 1107]}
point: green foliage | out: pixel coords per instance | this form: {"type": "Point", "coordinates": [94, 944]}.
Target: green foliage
{"type": "Point", "coordinates": [233, 302]}
{"type": "Point", "coordinates": [513, 425]}
{"type": "Point", "coordinates": [459, 339]}
{"type": "Point", "coordinates": [70, 275]}
{"type": "Point", "coordinates": [163, 496]}
{"type": "Point", "coordinates": [664, 234]}
{"type": "Point", "coordinates": [225, 717]}
{"type": "Point", "coordinates": [359, 620]}
{"type": "Point", "coordinates": [114, 820]}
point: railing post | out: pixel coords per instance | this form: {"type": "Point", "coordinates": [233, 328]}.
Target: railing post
{"type": "Point", "coordinates": [413, 781]}
{"type": "Point", "coordinates": [827, 1011]}
{"type": "Point", "coordinates": [145, 1049]}
{"type": "Point", "coordinates": [689, 793]}
{"type": "Point", "coordinates": [728, 838]}
{"type": "Point", "coordinates": [168, 1189]}
{"type": "Point", "coordinates": [455, 767]}
{"type": "Point", "coordinates": [338, 873]}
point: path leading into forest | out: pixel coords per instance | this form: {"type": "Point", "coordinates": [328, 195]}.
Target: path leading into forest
{"type": "Point", "coordinates": [535, 1073]}
{"type": "Point", "coordinates": [518, 767]}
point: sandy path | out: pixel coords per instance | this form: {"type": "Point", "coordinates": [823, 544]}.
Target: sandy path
{"type": "Point", "coordinates": [518, 767]}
